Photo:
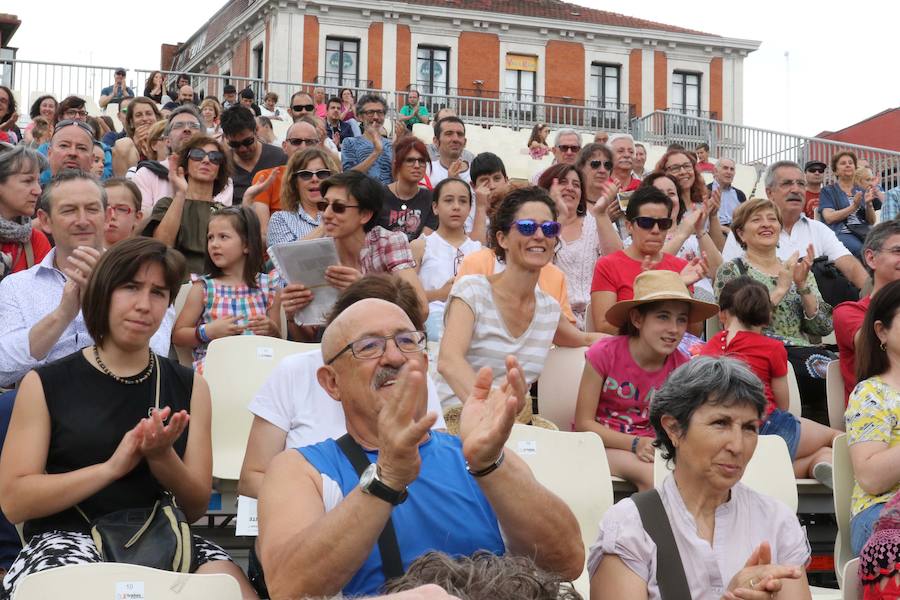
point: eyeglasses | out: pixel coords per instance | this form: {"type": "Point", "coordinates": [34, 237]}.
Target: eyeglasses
{"type": "Point", "coordinates": [246, 142]}
{"type": "Point", "coordinates": [408, 342]}
{"type": "Point", "coordinates": [120, 210]}
{"type": "Point", "coordinates": [337, 207]}
{"type": "Point", "coordinates": [303, 107]}
{"type": "Point", "coordinates": [81, 125]}
{"type": "Point", "coordinates": [185, 125]}
{"type": "Point", "coordinates": [568, 148]}
{"type": "Point", "coordinates": [302, 141]}
{"type": "Point", "coordinates": [307, 175]}
{"type": "Point", "coordinates": [816, 170]}
{"type": "Point", "coordinates": [71, 113]}
{"type": "Point", "coordinates": [648, 222]}
{"type": "Point", "coordinates": [607, 164]}
{"type": "Point", "coordinates": [410, 161]}
{"type": "Point", "coordinates": [372, 113]}
{"type": "Point", "coordinates": [895, 251]}
{"type": "Point", "coordinates": [672, 169]}
{"type": "Point", "coordinates": [789, 183]}
{"type": "Point", "coordinates": [198, 154]}
{"type": "Point", "coordinates": [529, 227]}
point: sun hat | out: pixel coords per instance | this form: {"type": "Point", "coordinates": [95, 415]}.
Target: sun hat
{"type": "Point", "coordinates": [659, 286]}
{"type": "Point", "coordinates": [525, 417]}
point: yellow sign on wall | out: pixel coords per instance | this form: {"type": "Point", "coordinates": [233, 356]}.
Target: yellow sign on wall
{"type": "Point", "coordinates": [521, 62]}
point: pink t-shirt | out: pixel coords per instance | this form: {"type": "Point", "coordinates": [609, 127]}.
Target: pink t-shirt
{"type": "Point", "coordinates": [624, 399]}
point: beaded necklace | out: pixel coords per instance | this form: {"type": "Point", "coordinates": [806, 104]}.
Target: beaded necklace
{"type": "Point", "coordinates": [131, 380]}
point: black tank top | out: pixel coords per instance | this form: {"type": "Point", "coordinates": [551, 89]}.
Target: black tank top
{"type": "Point", "coordinates": [89, 414]}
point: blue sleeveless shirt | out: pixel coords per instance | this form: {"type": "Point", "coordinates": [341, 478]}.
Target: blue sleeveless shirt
{"type": "Point", "coordinates": [445, 511]}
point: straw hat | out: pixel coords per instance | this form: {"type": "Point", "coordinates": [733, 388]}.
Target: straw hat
{"type": "Point", "coordinates": [659, 286]}
{"type": "Point", "coordinates": [525, 417]}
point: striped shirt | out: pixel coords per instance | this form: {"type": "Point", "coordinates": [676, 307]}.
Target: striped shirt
{"type": "Point", "coordinates": [491, 342]}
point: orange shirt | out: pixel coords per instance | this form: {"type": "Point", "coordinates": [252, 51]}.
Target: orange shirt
{"type": "Point", "coordinates": [551, 280]}
{"type": "Point", "coordinates": [272, 195]}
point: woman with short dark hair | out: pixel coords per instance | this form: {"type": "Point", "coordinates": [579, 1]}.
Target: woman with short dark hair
{"type": "Point", "coordinates": [21, 244]}
{"type": "Point", "coordinates": [847, 208]}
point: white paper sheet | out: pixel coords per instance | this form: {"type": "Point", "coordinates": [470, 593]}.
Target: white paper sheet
{"type": "Point", "coordinates": [305, 262]}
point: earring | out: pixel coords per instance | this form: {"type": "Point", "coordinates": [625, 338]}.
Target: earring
{"type": "Point", "coordinates": [882, 347]}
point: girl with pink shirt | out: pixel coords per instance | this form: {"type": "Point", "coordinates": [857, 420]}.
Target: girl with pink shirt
{"type": "Point", "coordinates": [623, 371]}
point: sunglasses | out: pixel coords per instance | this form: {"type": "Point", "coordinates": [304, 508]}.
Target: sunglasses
{"type": "Point", "coordinates": [320, 174]}
{"type": "Point", "coordinates": [80, 124]}
{"type": "Point", "coordinates": [816, 170]}
{"type": "Point", "coordinates": [302, 141]}
{"type": "Point", "coordinates": [303, 107]}
{"type": "Point", "coordinates": [648, 222]}
{"type": "Point", "coordinates": [568, 148]}
{"type": "Point", "coordinates": [198, 154]}
{"type": "Point", "coordinates": [415, 161]}
{"type": "Point", "coordinates": [246, 143]}
{"type": "Point", "coordinates": [337, 207]}
{"type": "Point", "coordinates": [607, 164]}
{"type": "Point", "coordinates": [528, 227]}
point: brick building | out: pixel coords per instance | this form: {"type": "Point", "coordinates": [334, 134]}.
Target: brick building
{"type": "Point", "coordinates": [881, 130]}
{"type": "Point", "coordinates": [543, 51]}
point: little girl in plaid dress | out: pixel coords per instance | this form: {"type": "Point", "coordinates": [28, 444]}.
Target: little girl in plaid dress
{"type": "Point", "coordinates": [235, 297]}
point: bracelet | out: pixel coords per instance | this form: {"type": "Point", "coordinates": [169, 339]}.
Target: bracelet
{"type": "Point", "coordinates": [634, 444]}
{"type": "Point", "coordinates": [201, 334]}
{"type": "Point", "coordinates": [804, 290]}
{"type": "Point", "coordinates": [490, 469]}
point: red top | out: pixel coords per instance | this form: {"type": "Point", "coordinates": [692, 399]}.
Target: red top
{"type": "Point", "coordinates": [633, 184]}
{"type": "Point", "coordinates": [848, 318]}
{"type": "Point", "coordinates": [766, 357]}
{"type": "Point", "coordinates": [616, 273]}
{"type": "Point", "coordinates": [811, 204]}
{"type": "Point", "coordinates": [706, 167]}
{"type": "Point", "coordinates": [39, 245]}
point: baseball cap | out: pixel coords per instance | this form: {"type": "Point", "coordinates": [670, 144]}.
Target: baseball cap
{"type": "Point", "coordinates": [814, 163]}
{"type": "Point", "coordinates": [121, 71]}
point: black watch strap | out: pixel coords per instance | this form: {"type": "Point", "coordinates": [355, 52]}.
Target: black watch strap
{"type": "Point", "coordinates": [381, 490]}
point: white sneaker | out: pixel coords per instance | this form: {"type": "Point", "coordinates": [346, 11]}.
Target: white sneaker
{"type": "Point", "coordinates": [823, 472]}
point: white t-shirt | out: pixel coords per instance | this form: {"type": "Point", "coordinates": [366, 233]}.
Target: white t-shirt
{"type": "Point", "coordinates": [806, 231]}
{"type": "Point", "coordinates": [292, 400]}
{"type": "Point", "coordinates": [438, 173]}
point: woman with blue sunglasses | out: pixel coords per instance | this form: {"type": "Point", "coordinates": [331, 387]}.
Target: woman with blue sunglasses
{"type": "Point", "coordinates": [489, 318]}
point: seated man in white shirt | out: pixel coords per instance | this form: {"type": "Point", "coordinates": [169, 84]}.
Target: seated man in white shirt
{"type": "Point", "coordinates": [786, 187]}
{"type": "Point", "coordinates": [292, 410]}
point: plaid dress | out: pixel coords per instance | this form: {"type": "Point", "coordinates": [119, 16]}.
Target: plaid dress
{"type": "Point", "coordinates": [228, 300]}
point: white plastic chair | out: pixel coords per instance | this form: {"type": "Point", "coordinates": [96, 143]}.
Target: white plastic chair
{"type": "Point", "coordinates": [793, 392]}
{"type": "Point", "coordinates": [589, 319]}
{"type": "Point", "coordinates": [117, 580]}
{"type": "Point", "coordinates": [235, 368]}
{"type": "Point", "coordinates": [850, 586]}
{"type": "Point", "coordinates": [573, 466]}
{"type": "Point", "coordinates": [712, 327]}
{"type": "Point", "coordinates": [844, 481]}
{"type": "Point", "coordinates": [558, 385]}
{"type": "Point", "coordinates": [769, 471]}
{"type": "Point", "coordinates": [183, 352]}
{"type": "Point", "coordinates": [834, 394]}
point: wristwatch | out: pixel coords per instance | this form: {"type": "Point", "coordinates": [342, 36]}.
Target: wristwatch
{"type": "Point", "coordinates": [369, 483]}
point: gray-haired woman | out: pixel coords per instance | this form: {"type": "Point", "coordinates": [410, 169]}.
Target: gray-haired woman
{"type": "Point", "coordinates": [21, 244]}
{"type": "Point", "coordinates": [733, 542]}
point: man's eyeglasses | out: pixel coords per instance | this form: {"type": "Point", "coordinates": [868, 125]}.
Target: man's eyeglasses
{"type": "Point", "coordinates": [302, 141]}
{"type": "Point", "coordinates": [337, 207]}
{"type": "Point", "coordinates": [672, 169]}
{"type": "Point", "coordinates": [789, 183]}
{"type": "Point", "coordinates": [120, 210]}
{"type": "Point", "coordinates": [185, 125]}
{"type": "Point", "coordinates": [411, 160]}
{"type": "Point", "coordinates": [529, 227]}
{"type": "Point", "coordinates": [80, 124]}
{"type": "Point", "coordinates": [649, 222]}
{"type": "Point", "coordinates": [566, 148]}
{"type": "Point", "coordinates": [369, 347]}
{"type": "Point", "coordinates": [71, 113]}
{"type": "Point", "coordinates": [895, 251]}
{"type": "Point", "coordinates": [372, 113]}
{"type": "Point", "coordinates": [303, 107]}
{"type": "Point", "coordinates": [246, 142]}
{"type": "Point", "coordinates": [816, 170]}
{"type": "Point", "coordinates": [607, 164]}
{"type": "Point", "coordinates": [321, 175]}
{"type": "Point", "coordinates": [198, 154]}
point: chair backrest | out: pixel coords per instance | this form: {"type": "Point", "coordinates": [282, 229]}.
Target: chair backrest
{"type": "Point", "coordinates": [117, 580]}
{"type": "Point", "coordinates": [589, 319]}
{"type": "Point", "coordinates": [834, 393]}
{"type": "Point", "coordinates": [850, 585]}
{"type": "Point", "coordinates": [558, 385]}
{"type": "Point", "coordinates": [235, 368]}
{"type": "Point", "coordinates": [793, 392]}
{"type": "Point", "coordinates": [184, 353]}
{"type": "Point", "coordinates": [573, 466]}
{"type": "Point", "coordinates": [713, 326]}
{"type": "Point", "coordinates": [844, 481]}
{"type": "Point", "coordinates": [769, 471]}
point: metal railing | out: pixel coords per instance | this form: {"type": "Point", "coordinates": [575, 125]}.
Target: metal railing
{"type": "Point", "coordinates": [753, 145]}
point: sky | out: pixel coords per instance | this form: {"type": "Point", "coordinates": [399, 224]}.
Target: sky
{"type": "Point", "coordinates": [821, 66]}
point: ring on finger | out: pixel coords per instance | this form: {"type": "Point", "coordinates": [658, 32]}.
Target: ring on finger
{"type": "Point", "coordinates": [753, 583]}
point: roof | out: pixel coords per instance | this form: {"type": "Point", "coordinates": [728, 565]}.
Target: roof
{"type": "Point", "coordinates": [867, 119]}
{"type": "Point", "coordinates": [9, 24]}
{"type": "Point", "coordinates": [558, 10]}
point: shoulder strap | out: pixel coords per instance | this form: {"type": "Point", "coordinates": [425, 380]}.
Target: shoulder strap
{"type": "Point", "coordinates": [391, 563]}
{"type": "Point", "coordinates": [742, 267]}
{"type": "Point", "coordinates": [29, 254]}
{"type": "Point", "coordinates": [669, 569]}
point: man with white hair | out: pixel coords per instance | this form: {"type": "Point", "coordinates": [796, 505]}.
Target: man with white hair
{"type": "Point", "coordinates": [731, 196]}
{"type": "Point", "coordinates": [565, 150]}
{"type": "Point", "coordinates": [622, 146]}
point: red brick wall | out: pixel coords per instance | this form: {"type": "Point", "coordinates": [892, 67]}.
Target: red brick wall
{"type": "Point", "coordinates": [404, 49]}
{"type": "Point", "coordinates": [564, 59]}
{"type": "Point", "coordinates": [376, 42]}
{"type": "Point", "coordinates": [635, 77]}
{"type": "Point", "coordinates": [479, 58]}
{"type": "Point", "coordinates": [240, 60]}
{"type": "Point", "coordinates": [166, 55]}
{"type": "Point", "coordinates": [715, 87]}
{"type": "Point", "coordinates": [266, 50]}
{"type": "Point", "coordinates": [310, 48]}
{"type": "Point", "coordinates": [660, 81]}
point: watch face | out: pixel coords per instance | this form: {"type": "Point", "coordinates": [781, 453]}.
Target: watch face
{"type": "Point", "coordinates": [366, 479]}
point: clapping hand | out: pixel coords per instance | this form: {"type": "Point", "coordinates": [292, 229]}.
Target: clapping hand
{"type": "Point", "coordinates": [259, 187]}
{"type": "Point", "coordinates": [176, 177]}
{"type": "Point", "coordinates": [695, 270]}
{"type": "Point", "coordinates": [127, 454]}
{"type": "Point", "coordinates": [373, 134]}
{"type": "Point", "coordinates": [456, 167]}
{"type": "Point", "coordinates": [487, 418]}
{"type": "Point", "coordinates": [157, 436]}
{"type": "Point", "coordinates": [713, 202]}
{"type": "Point", "coordinates": [556, 194]}
{"type": "Point", "coordinates": [78, 270]}
{"type": "Point", "coordinates": [801, 266]}
{"type": "Point", "coordinates": [760, 579]}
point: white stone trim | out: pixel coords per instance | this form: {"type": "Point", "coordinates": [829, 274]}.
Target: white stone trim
{"type": "Point", "coordinates": [345, 29]}
{"type": "Point", "coordinates": [419, 38]}
{"type": "Point", "coordinates": [533, 49]}
{"type": "Point", "coordinates": [610, 56]}
{"type": "Point", "coordinates": [389, 55]}
{"type": "Point", "coordinates": [647, 80]}
{"type": "Point", "coordinates": [696, 65]}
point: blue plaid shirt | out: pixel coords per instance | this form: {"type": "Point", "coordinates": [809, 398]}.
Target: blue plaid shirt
{"type": "Point", "coordinates": [891, 208]}
{"type": "Point", "coordinates": [355, 150]}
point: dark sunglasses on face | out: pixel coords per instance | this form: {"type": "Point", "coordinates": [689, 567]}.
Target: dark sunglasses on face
{"type": "Point", "coordinates": [247, 142]}
{"type": "Point", "coordinates": [302, 141]}
{"type": "Point", "coordinates": [529, 227]}
{"type": "Point", "coordinates": [648, 222]}
{"type": "Point", "coordinates": [816, 170]}
{"type": "Point", "coordinates": [607, 164]}
{"type": "Point", "coordinates": [321, 175]}
{"type": "Point", "coordinates": [337, 207]}
{"type": "Point", "coordinates": [414, 161]}
{"type": "Point", "coordinates": [198, 154]}
{"type": "Point", "coordinates": [568, 148]}
{"type": "Point", "coordinates": [303, 107]}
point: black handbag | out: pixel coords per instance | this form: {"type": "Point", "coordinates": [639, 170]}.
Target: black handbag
{"type": "Point", "coordinates": [859, 230]}
{"type": "Point", "coordinates": [158, 537]}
